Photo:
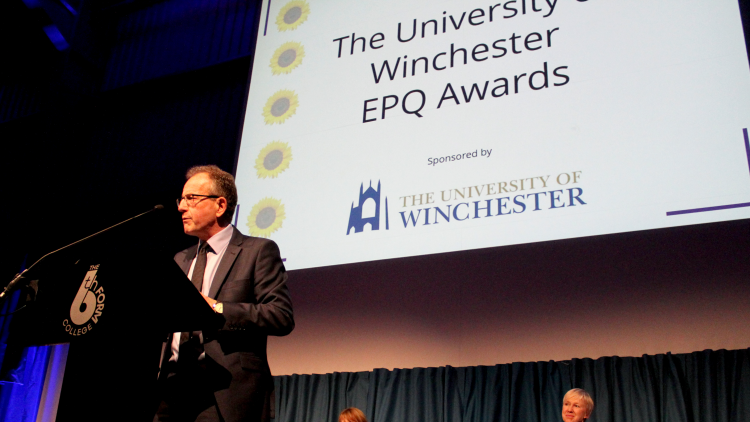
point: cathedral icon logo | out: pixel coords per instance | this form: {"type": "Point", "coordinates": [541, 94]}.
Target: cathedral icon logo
{"type": "Point", "coordinates": [367, 213]}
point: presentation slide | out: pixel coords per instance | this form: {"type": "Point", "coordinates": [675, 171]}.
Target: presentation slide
{"type": "Point", "coordinates": [384, 129]}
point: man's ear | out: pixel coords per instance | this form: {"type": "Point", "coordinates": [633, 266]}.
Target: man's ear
{"type": "Point", "coordinates": [221, 204]}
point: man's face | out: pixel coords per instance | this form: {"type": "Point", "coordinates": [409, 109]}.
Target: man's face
{"type": "Point", "coordinates": [201, 220]}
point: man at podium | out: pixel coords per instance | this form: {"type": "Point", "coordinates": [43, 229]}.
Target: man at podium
{"type": "Point", "coordinates": [221, 373]}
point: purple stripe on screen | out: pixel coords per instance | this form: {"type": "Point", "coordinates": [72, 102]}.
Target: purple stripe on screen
{"type": "Point", "coordinates": [268, 11]}
{"type": "Point", "coordinates": [747, 147]}
{"type": "Point", "coordinates": [721, 207]}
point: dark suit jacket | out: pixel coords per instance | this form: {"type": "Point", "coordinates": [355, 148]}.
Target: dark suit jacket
{"type": "Point", "coordinates": [251, 283]}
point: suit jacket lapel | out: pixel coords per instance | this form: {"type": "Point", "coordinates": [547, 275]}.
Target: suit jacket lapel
{"type": "Point", "coordinates": [187, 258]}
{"type": "Point", "coordinates": [233, 249]}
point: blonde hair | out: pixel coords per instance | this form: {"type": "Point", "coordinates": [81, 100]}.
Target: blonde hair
{"type": "Point", "coordinates": [584, 396]}
{"type": "Point", "coordinates": [352, 414]}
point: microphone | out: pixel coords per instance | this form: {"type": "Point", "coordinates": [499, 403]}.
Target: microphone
{"type": "Point", "coordinates": [19, 277]}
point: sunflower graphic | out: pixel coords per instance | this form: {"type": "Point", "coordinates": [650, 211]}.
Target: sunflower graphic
{"type": "Point", "coordinates": [280, 107]}
{"type": "Point", "coordinates": [273, 159]}
{"type": "Point", "coordinates": [266, 217]}
{"type": "Point", "coordinates": [287, 57]}
{"type": "Point", "coordinates": [292, 15]}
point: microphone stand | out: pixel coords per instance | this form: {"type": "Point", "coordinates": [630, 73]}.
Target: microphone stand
{"type": "Point", "coordinates": [20, 278]}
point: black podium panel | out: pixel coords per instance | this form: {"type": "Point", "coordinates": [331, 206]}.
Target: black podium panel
{"type": "Point", "coordinates": [96, 296]}
{"type": "Point", "coordinates": [115, 298]}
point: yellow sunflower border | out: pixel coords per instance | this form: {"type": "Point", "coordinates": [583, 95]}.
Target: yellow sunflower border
{"type": "Point", "coordinates": [292, 15]}
{"type": "Point", "coordinates": [266, 217]}
{"type": "Point", "coordinates": [287, 57]}
{"type": "Point", "coordinates": [273, 159]}
{"type": "Point", "coordinates": [281, 106]}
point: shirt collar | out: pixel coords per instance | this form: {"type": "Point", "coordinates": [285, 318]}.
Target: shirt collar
{"type": "Point", "coordinates": [220, 240]}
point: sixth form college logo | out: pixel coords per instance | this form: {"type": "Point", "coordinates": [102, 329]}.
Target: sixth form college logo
{"type": "Point", "coordinates": [368, 210]}
{"type": "Point", "coordinates": [87, 306]}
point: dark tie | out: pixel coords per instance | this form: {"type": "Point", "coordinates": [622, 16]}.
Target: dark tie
{"type": "Point", "coordinates": [200, 265]}
{"type": "Point", "coordinates": [197, 279]}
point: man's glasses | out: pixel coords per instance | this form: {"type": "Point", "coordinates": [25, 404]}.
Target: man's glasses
{"type": "Point", "coordinates": [192, 199]}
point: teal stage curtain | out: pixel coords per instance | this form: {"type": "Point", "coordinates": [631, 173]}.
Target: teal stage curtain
{"type": "Point", "coordinates": [708, 386]}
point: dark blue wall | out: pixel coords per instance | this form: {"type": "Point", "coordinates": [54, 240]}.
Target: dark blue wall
{"type": "Point", "coordinates": [103, 124]}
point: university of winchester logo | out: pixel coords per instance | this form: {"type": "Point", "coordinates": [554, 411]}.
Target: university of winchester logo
{"type": "Point", "coordinates": [87, 306]}
{"type": "Point", "coordinates": [368, 210]}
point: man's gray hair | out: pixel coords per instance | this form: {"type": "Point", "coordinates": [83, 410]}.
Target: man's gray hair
{"type": "Point", "coordinates": [222, 185]}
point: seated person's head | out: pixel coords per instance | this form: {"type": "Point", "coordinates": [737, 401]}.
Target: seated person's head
{"type": "Point", "coordinates": [352, 414]}
{"type": "Point", "coordinates": [577, 405]}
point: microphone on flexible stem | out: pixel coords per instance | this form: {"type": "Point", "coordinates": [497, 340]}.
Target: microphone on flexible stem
{"type": "Point", "coordinates": [19, 277]}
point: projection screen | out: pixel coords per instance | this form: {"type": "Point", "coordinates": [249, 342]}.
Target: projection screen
{"type": "Point", "coordinates": [384, 129]}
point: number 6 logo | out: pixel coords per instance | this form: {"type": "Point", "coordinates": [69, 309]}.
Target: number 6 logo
{"type": "Point", "coordinates": [84, 304]}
